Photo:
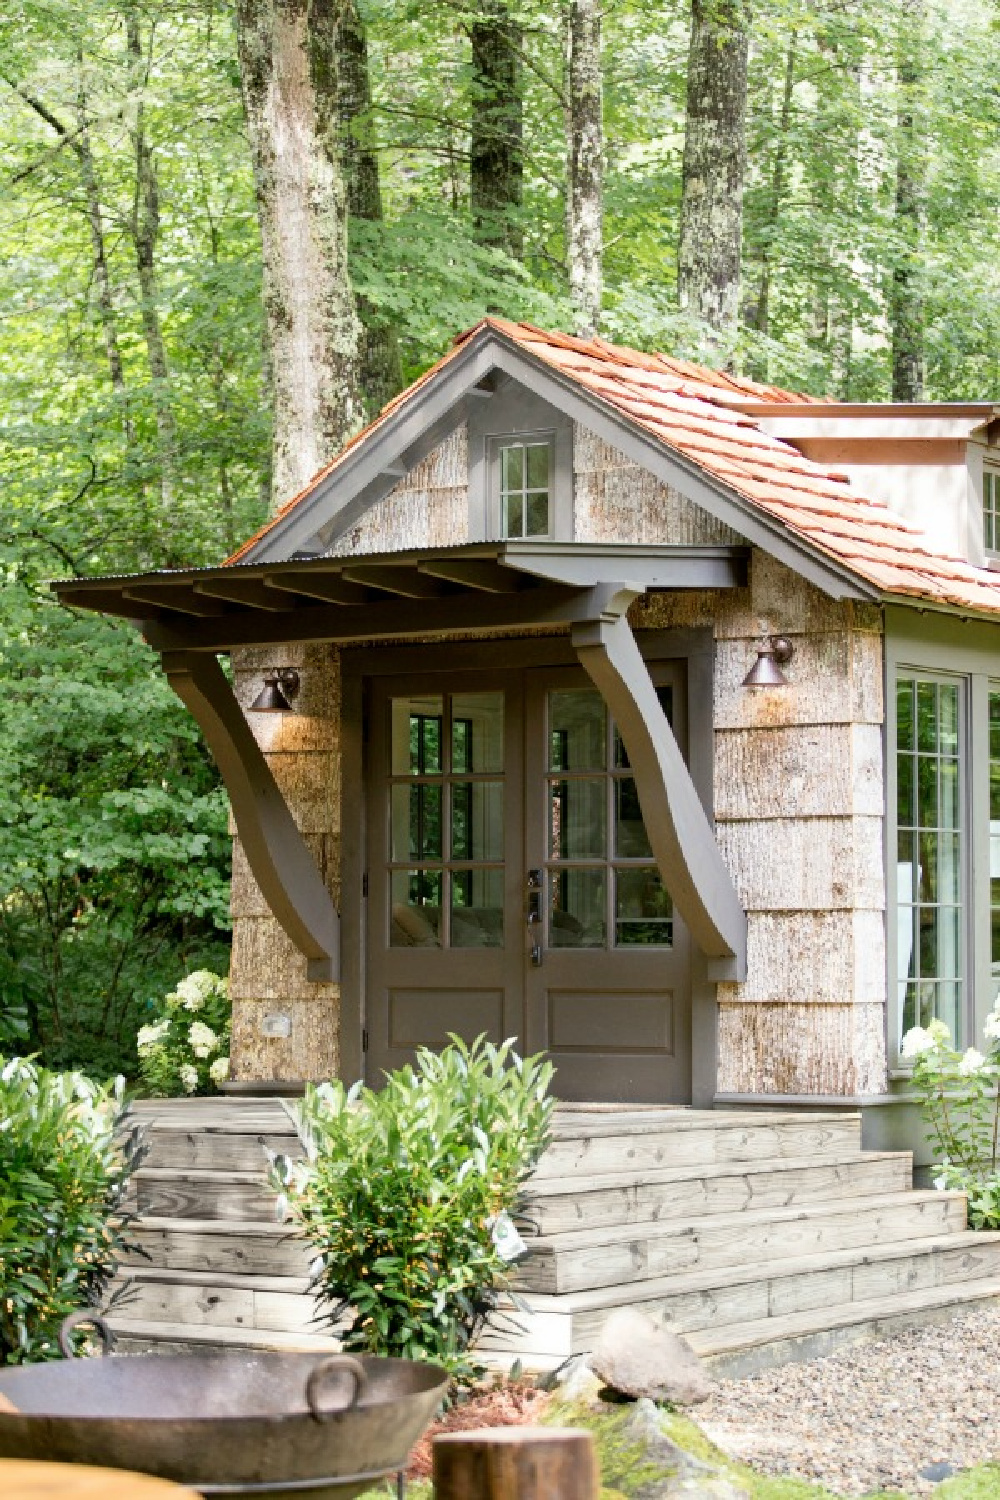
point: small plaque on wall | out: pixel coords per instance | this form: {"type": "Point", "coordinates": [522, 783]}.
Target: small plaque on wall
{"type": "Point", "coordinates": [277, 1023]}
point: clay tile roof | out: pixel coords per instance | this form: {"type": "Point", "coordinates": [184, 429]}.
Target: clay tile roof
{"type": "Point", "coordinates": [684, 407]}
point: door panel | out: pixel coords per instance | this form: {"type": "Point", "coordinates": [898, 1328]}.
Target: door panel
{"type": "Point", "coordinates": [512, 889]}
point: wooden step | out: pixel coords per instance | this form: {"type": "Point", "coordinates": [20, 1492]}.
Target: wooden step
{"type": "Point", "coordinates": [219, 1150]}
{"type": "Point", "coordinates": [571, 1323]}
{"type": "Point", "coordinates": [555, 1205]}
{"type": "Point", "coordinates": [146, 1335]}
{"type": "Point", "coordinates": [642, 1140]}
{"type": "Point", "coordinates": [199, 1193]}
{"type": "Point", "coordinates": [264, 1248]}
{"type": "Point", "coordinates": [629, 1253]}
{"type": "Point", "coordinates": [744, 1349]}
{"type": "Point", "coordinates": [282, 1303]}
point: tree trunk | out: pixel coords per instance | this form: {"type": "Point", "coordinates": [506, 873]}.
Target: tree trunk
{"type": "Point", "coordinates": [381, 367]}
{"type": "Point", "coordinates": [496, 154]}
{"type": "Point", "coordinates": [145, 227]}
{"type": "Point", "coordinates": [708, 255]}
{"type": "Point", "coordinates": [759, 316]}
{"type": "Point", "coordinates": [586, 144]}
{"type": "Point", "coordinates": [906, 313]}
{"type": "Point", "coordinates": [289, 70]}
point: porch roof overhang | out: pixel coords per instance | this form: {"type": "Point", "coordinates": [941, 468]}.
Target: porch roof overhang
{"type": "Point", "coordinates": [191, 616]}
{"type": "Point", "coordinates": [479, 586]}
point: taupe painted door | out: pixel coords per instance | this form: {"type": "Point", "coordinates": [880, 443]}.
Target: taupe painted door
{"type": "Point", "coordinates": [511, 886]}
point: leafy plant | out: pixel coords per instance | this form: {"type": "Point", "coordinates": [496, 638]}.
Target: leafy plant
{"type": "Point", "coordinates": [407, 1194]}
{"type": "Point", "coordinates": [185, 1050]}
{"type": "Point", "coordinates": [960, 1101]}
{"type": "Point", "coordinates": [63, 1174]}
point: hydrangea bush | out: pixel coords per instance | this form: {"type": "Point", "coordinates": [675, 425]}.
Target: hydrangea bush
{"type": "Point", "coordinates": [186, 1049]}
{"type": "Point", "coordinates": [959, 1095]}
{"type": "Point", "coordinates": [64, 1168]}
{"type": "Point", "coordinates": [407, 1194]}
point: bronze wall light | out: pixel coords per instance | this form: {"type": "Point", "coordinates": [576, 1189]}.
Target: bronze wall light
{"type": "Point", "coordinates": [766, 670]}
{"type": "Point", "coordinates": [279, 688]}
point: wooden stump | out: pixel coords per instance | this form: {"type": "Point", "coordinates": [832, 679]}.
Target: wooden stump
{"type": "Point", "coordinates": [515, 1463]}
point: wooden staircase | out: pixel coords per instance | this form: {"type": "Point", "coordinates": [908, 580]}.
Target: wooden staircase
{"type": "Point", "coordinates": [762, 1236]}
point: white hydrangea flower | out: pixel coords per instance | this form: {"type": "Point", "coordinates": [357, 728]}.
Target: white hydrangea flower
{"type": "Point", "coordinates": [150, 1035]}
{"type": "Point", "coordinates": [202, 1039]}
{"type": "Point", "coordinates": [991, 1027]}
{"type": "Point", "coordinates": [188, 1075]}
{"type": "Point", "coordinates": [938, 1032]}
{"type": "Point", "coordinates": [219, 1071]}
{"type": "Point", "coordinates": [195, 989]}
{"type": "Point", "coordinates": [915, 1042]}
{"type": "Point", "coordinates": [941, 1183]}
{"type": "Point", "coordinates": [971, 1061]}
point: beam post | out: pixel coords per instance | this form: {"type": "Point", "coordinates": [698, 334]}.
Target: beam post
{"type": "Point", "coordinates": [276, 851]}
{"type": "Point", "coordinates": [681, 836]}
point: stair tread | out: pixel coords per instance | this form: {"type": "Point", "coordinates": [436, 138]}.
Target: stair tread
{"type": "Point", "coordinates": [221, 1333]}
{"type": "Point", "coordinates": [612, 1234]}
{"type": "Point", "coordinates": [225, 1227]}
{"type": "Point", "coordinates": [201, 1174]}
{"type": "Point", "coordinates": [250, 1281]}
{"type": "Point", "coordinates": [726, 1339]}
{"type": "Point", "coordinates": [728, 1276]}
{"type": "Point", "coordinates": [567, 1124]}
{"type": "Point", "coordinates": [603, 1181]}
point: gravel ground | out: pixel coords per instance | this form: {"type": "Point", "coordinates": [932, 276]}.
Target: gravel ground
{"type": "Point", "coordinates": [876, 1416]}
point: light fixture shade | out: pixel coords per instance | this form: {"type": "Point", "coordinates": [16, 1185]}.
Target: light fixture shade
{"type": "Point", "coordinates": [278, 688]}
{"type": "Point", "coordinates": [766, 670]}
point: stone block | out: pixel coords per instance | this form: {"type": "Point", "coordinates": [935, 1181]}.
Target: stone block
{"type": "Point", "coordinates": [800, 1049]}
{"type": "Point", "coordinates": [796, 772]}
{"type": "Point", "coordinates": [814, 958]}
{"type": "Point", "coordinates": [807, 864]}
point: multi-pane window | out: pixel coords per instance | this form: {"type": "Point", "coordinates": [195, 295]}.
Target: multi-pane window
{"type": "Point", "coordinates": [446, 820]}
{"type": "Point", "coordinates": [991, 509]}
{"type": "Point", "coordinates": [525, 483]}
{"type": "Point", "coordinates": [604, 889]}
{"type": "Point", "coordinates": [930, 853]}
{"type": "Point", "coordinates": [995, 842]}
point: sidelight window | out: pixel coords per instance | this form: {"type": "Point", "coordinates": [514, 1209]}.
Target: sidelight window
{"type": "Point", "coordinates": [523, 481]}
{"type": "Point", "coordinates": [930, 751]}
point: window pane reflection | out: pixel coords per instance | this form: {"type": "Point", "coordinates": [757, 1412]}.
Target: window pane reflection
{"type": "Point", "coordinates": [477, 909]}
{"type": "Point", "coordinates": [577, 731]}
{"type": "Point", "coordinates": [476, 733]}
{"type": "Point", "coordinates": [416, 735]}
{"type": "Point", "coordinates": [416, 909]}
{"type": "Point", "coordinates": [577, 908]}
{"type": "Point", "coordinates": [477, 820]}
{"type": "Point", "coordinates": [643, 910]}
{"type": "Point", "coordinates": [578, 818]}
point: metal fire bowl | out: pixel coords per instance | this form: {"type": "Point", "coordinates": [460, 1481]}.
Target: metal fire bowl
{"type": "Point", "coordinates": [284, 1426]}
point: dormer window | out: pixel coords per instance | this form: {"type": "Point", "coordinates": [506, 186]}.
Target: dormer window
{"type": "Point", "coordinates": [991, 509]}
{"type": "Point", "coordinates": [521, 480]}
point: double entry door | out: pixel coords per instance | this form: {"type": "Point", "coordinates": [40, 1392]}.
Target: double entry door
{"type": "Point", "coordinates": [511, 886]}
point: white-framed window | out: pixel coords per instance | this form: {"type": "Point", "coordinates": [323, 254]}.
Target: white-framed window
{"type": "Point", "coordinates": [521, 483]}
{"type": "Point", "coordinates": [991, 509]}
{"type": "Point", "coordinates": [931, 850]}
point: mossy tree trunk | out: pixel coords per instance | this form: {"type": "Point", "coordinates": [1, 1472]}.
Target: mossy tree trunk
{"type": "Point", "coordinates": [289, 66]}
{"type": "Point", "coordinates": [906, 312]}
{"type": "Point", "coordinates": [708, 255]}
{"type": "Point", "coordinates": [496, 149]}
{"type": "Point", "coordinates": [586, 146]}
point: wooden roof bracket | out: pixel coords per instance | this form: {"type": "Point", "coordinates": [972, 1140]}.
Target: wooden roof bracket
{"type": "Point", "coordinates": [680, 833]}
{"type": "Point", "coordinates": [276, 851]}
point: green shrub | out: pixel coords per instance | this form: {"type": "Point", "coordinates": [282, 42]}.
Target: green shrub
{"type": "Point", "coordinates": [960, 1102]}
{"type": "Point", "coordinates": [62, 1177]}
{"type": "Point", "coordinates": [406, 1195]}
{"type": "Point", "coordinates": [186, 1049]}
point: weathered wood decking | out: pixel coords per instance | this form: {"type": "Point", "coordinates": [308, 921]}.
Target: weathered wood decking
{"type": "Point", "coordinates": [763, 1236]}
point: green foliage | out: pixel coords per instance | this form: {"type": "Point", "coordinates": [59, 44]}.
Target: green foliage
{"type": "Point", "coordinates": [62, 1177]}
{"type": "Point", "coordinates": [406, 1195]}
{"type": "Point", "coordinates": [960, 1102]}
{"type": "Point", "coordinates": [185, 1048]}
{"type": "Point", "coordinates": [114, 855]}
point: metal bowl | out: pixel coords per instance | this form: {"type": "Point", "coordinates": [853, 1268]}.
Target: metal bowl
{"type": "Point", "coordinates": [227, 1423]}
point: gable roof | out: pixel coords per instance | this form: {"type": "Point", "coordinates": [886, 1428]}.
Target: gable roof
{"type": "Point", "coordinates": [704, 419]}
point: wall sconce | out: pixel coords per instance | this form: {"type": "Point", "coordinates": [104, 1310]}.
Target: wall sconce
{"type": "Point", "coordinates": [278, 688]}
{"type": "Point", "coordinates": [766, 670]}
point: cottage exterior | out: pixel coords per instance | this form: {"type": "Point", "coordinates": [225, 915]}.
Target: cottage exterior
{"type": "Point", "coordinates": [524, 788]}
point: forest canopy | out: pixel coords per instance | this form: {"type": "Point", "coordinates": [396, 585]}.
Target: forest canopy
{"type": "Point", "coordinates": [804, 192]}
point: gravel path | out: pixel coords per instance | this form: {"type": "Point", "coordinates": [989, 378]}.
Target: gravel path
{"type": "Point", "coordinates": [876, 1416]}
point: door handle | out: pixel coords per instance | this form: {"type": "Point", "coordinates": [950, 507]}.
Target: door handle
{"type": "Point", "coordinates": [533, 914]}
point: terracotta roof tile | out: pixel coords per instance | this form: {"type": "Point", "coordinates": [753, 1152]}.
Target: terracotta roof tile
{"type": "Point", "coordinates": [684, 407]}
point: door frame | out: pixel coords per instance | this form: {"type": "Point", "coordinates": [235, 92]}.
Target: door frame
{"type": "Point", "coordinates": [696, 646]}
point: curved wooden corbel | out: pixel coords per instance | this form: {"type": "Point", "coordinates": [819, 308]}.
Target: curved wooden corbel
{"type": "Point", "coordinates": [681, 836]}
{"type": "Point", "coordinates": [276, 851]}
